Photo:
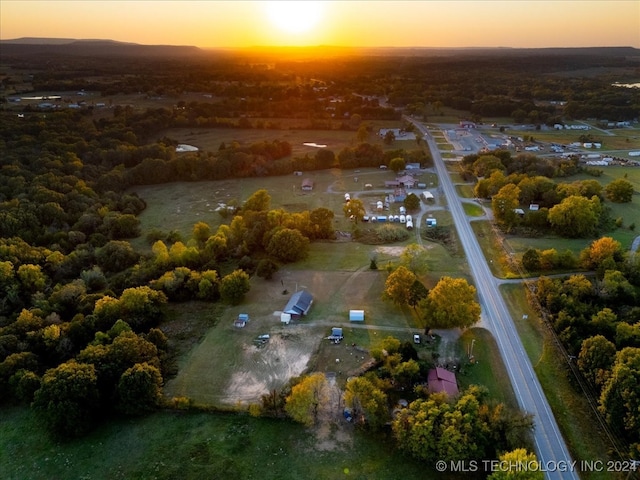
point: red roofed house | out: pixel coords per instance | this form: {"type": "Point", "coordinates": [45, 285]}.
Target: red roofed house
{"type": "Point", "coordinates": [441, 380]}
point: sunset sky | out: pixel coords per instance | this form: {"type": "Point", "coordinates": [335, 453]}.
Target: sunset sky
{"type": "Point", "coordinates": [236, 24]}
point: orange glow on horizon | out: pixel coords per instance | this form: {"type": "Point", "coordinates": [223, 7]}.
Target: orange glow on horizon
{"type": "Point", "coordinates": [240, 24]}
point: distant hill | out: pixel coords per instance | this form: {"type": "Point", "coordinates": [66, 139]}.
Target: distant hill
{"type": "Point", "coordinates": [34, 46]}
{"type": "Point", "coordinates": [90, 47]}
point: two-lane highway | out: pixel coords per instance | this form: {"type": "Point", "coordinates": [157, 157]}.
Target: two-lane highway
{"type": "Point", "coordinates": [551, 449]}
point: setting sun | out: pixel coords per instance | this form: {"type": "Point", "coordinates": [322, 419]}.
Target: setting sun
{"type": "Point", "coordinates": [294, 17]}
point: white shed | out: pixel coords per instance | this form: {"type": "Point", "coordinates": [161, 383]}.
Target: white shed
{"type": "Point", "coordinates": [356, 315]}
{"type": "Point", "coordinates": [285, 318]}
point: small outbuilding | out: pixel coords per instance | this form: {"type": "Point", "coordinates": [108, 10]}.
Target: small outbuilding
{"type": "Point", "coordinates": [356, 315]}
{"type": "Point", "coordinates": [307, 185]}
{"type": "Point", "coordinates": [427, 196]}
{"type": "Point", "coordinates": [285, 318]}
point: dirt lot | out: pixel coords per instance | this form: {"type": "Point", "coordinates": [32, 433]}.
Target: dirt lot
{"type": "Point", "coordinates": [285, 355]}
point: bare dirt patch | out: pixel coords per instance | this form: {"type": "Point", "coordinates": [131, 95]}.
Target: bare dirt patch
{"type": "Point", "coordinates": [264, 368]}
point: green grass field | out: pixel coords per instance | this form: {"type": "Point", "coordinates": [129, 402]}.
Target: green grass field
{"type": "Point", "coordinates": [193, 446]}
{"type": "Point", "coordinates": [472, 209]}
{"type": "Point", "coordinates": [465, 191]}
{"type": "Point", "coordinates": [487, 369]}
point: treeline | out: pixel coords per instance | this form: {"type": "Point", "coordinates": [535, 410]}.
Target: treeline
{"type": "Point", "coordinates": [489, 85]}
{"type": "Point", "coordinates": [574, 210]}
{"type": "Point", "coordinates": [79, 335]}
{"type": "Point", "coordinates": [598, 321]}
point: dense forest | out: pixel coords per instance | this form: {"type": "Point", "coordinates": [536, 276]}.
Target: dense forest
{"type": "Point", "coordinates": [80, 306]}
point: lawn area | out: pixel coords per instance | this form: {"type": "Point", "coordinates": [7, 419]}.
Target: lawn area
{"type": "Point", "coordinates": [465, 191]}
{"type": "Point", "coordinates": [472, 209]}
{"type": "Point", "coordinates": [570, 408]}
{"type": "Point", "coordinates": [492, 249]}
{"type": "Point", "coordinates": [487, 368]}
{"type": "Point", "coordinates": [196, 445]}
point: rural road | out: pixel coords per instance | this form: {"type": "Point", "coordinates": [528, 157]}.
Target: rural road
{"type": "Point", "coordinates": [551, 448]}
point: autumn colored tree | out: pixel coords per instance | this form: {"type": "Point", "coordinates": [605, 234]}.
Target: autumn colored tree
{"type": "Point", "coordinates": [486, 164]}
{"type": "Point", "coordinates": [504, 204]}
{"type": "Point", "coordinates": [602, 254]}
{"type": "Point", "coordinates": [362, 134]}
{"type": "Point", "coordinates": [234, 286]}
{"type": "Point", "coordinates": [412, 202]}
{"type": "Point", "coordinates": [518, 464]}
{"type": "Point", "coordinates": [140, 389]}
{"type": "Point", "coordinates": [367, 402]}
{"type": "Point", "coordinates": [201, 232]}
{"type": "Point", "coordinates": [436, 429]}
{"type": "Point", "coordinates": [67, 399]}
{"type": "Point", "coordinates": [288, 245]}
{"type": "Point", "coordinates": [620, 398]}
{"type": "Point", "coordinates": [307, 398]}
{"type": "Point", "coordinates": [575, 216]}
{"type": "Point", "coordinates": [398, 285]}
{"type": "Point", "coordinates": [619, 191]}
{"type": "Point", "coordinates": [415, 258]}
{"type": "Point", "coordinates": [355, 208]}
{"type": "Point", "coordinates": [595, 359]}
{"type": "Point", "coordinates": [450, 304]}
{"type": "Point", "coordinates": [397, 164]}
{"type": "Point", "coordinates": [259, 201]}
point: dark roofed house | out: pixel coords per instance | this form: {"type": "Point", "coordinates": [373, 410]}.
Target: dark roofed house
{"type": "Point", "coordinates": [307, 184]}
{"type": "Point", "coordinates": [299, 304]}
{"type": "Point", "coordinates": [442, 380]}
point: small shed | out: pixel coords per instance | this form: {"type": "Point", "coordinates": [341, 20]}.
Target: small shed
{"type": "Point", "coordinates": [285, 318]}
{"type": "Point", "coordinates": [307, 185]}
{"type": "Point", "coordinates": [356, 315]}
{"type": "Point", "coordinates": [431, 222]}
{"type": "Point", "coordinates": [336, 332]}
{"type": "Point", "coordinates": [427, 195]}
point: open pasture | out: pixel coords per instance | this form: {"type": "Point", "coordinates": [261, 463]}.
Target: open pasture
{"type": "Point", "coordinates": [195, 445]}
{"type": "Point", "coordinates": [291, 131]}
{"type": "Point", "coordinates": [180, 205]}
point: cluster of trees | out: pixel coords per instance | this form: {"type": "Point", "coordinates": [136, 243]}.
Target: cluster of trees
{"type": "Point", "coordinates": [573, 209]}
{"type": "Point", "coordinates": [465, 428]}
{"type": "Point", "coordinates": [601, 255]}
{"type": "Point", "coordinates": [597, 321]}
{"type": "Point", "coordinates": [432, 427]}
{"type": "Point", "coordinates": [451, 303]}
